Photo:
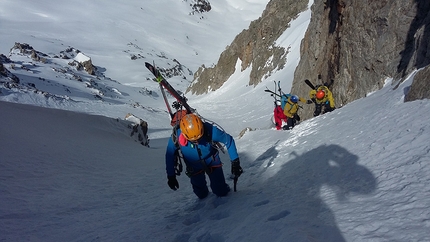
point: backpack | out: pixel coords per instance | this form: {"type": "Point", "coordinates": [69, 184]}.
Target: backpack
{"type": "Point", "coordinates": [284, 100]}
{"type": "Point", "coordinates": [177, 117]}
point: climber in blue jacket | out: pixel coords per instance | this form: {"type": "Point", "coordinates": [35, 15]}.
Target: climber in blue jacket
{"type": "Point", "coordinates": [197, 142]}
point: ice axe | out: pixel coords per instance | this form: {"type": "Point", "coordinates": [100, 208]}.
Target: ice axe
{"type": "Point", "coordinates": [236, 177]}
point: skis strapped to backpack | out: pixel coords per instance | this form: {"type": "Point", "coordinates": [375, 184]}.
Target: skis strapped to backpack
{"type": "Point", "coordinates": [309, 83]}
{"type": "Point", "coordinates": [163, 93]}
{"type": "Point", "coordinates": [160, 79]}
{"type": "Point", "coordinates": [272, 93]}
{"type": "Point", "coordinates": [283, 97]}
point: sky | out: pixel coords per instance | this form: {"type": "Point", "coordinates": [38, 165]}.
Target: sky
{"type": "Point", "coordinates": [71, 171]}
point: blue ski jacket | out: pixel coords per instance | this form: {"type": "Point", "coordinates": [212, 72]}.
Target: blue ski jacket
{"type": "Point", "coordinates": [202, 155]}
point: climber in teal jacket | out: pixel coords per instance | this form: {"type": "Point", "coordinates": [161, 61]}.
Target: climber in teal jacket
{"type": "Point", "coordinates": [197, 142]}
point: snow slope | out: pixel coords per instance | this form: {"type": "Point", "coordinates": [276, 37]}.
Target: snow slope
{"type": "Point", "coordinates": [69, 170]}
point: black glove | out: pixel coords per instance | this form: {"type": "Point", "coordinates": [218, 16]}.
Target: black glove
{"type": "Point", "coordinates": [296, 117]}
{"type": "Point", "coordinates": [236, 170]}
{"type": "Point", "coordinates": [172, 182]}
{"type": "Point", "coordinates": [309, 102]}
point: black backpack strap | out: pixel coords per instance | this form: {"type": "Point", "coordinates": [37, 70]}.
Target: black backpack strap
{"type": "Point", "coordinates": [216, 145]}
{"type": "Point", "coordinates": [177, 154]}
{"type": "Point", "coordinates": [175, 137]}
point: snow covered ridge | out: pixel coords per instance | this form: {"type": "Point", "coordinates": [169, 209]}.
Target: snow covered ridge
{"type": "Point", "coordinates": [70, 67]}
{"type": "Point", "coordinates": [69, 64]}
{"type": "Point", "coordinates": [68, 80]}
{"type": "Point", "coordinates": [54, 75]}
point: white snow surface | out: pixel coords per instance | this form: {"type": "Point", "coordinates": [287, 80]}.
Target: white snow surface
{"type": "Point", "coordinates": [69, 170]}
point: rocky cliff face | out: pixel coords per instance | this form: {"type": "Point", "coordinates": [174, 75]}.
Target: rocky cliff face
{"type": "Point", "coordinates": [358, 44]}
{"type": "Point", "coordinates": [361, 43]}
{"type": "Point", "coordinates": [255, 46]}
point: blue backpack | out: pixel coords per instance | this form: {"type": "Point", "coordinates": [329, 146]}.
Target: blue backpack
{"type": "Point", "coordinates": [284, 100]}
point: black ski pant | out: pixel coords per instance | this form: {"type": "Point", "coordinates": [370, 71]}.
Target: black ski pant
{"type": "Point", "coordinates": [291, 122]}
{"type": "Point", "coordinates": [319, 108]}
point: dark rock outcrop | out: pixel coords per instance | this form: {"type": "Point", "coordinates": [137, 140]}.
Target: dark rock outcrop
{"type": "Point", "coordinates": [6, 77]}
{"type": "Point", "coordinates": [420, 88]}
{"type": "Point", "coordinates": [200, 6]}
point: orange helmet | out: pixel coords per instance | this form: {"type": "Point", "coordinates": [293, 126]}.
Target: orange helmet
{"type": "Point", "coordinates": [191, 127]}
{"type": "Point", "coordinates": [320, 94]}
